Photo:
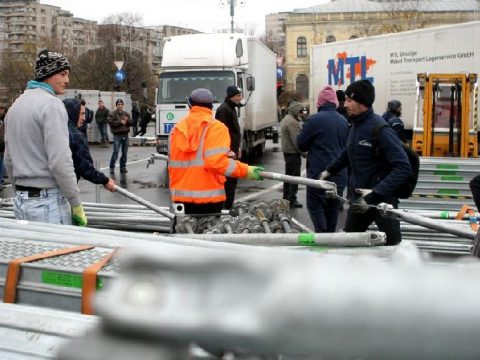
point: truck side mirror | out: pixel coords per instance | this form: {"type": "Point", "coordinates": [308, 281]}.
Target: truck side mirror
{"type": "Point", "coordinates": [250, 83]}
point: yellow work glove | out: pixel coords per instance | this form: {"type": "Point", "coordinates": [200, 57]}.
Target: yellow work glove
{"type": "Point", "coordinates": [78, 216]}
{"type": "Point", "coordinates": [253, 173]}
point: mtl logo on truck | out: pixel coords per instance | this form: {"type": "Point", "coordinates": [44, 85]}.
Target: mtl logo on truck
{"type": "Point", "coordinates": [344, 67]}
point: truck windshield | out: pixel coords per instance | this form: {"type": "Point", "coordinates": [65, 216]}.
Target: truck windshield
{"type": "Point", "coordinates": [176, 87]}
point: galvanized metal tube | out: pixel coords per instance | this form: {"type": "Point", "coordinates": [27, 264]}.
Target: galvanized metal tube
{"type": "Point", "coordinates": [148, 204]}
{"type": "Point", "coordinates": [321, 184]}
{"type": "Point", "coordinates": [431, 224]}
{"type": "Point", "coordinates": [373, 238]}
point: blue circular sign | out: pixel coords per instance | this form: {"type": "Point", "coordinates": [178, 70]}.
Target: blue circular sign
{"type": "Point", "coordinates": [279, 73]}
{"type": "Point", "coordinates": [120, 75]}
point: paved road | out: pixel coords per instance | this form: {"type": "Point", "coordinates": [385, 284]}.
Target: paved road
{"type": "Point", "coordinates": [150, 183]}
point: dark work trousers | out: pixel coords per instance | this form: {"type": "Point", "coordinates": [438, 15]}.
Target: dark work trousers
{"type": "Point", "coordinates": [323, 211]}
{"type": "Point", "coordinates": [357, 222]}
{"type": "Point", "coordinates": [293, 163]}
{"type": "Point", "coordinates": [230, 187]}
{"type": "Point", "coordinates": [475, 188]}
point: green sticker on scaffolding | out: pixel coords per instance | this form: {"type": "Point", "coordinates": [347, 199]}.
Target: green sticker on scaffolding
{"type": "Point", "coordinates": [64, 279]}
{"type": "Point", "coordinates": [448, 192]}
{"type": "Point", "coordinates": [444, 215]}
{"type": "Point", "coordinates": [306, 239]}
{"type": "Point", "coordinates": [447, 166]}
{"type": "Point", "coordinates": [451, 178]}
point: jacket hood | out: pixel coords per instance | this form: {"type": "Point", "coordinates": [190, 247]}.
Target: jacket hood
{"type": "Point", "coordinates": [73, 110]}
{"type": "Point", "coordinates": [295, 108]}
{"type": "Point", "coordinates": [190, 131]}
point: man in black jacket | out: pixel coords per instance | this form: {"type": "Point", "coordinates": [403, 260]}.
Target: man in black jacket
{"type": "Point", "coordinates": [227, 114]}
{"type": "Point", "coordinates": [82, 160]}
{"type": "Point", "coordinates": [375, 174]}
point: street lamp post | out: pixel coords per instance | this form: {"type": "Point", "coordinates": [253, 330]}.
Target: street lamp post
{"type": "Point", "coordinates": [232, 4]}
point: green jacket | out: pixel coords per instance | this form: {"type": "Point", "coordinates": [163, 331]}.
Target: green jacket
{"type": "Point", "coordinates": [101, 116]}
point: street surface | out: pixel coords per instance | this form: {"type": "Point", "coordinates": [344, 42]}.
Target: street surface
{"type": "Point", "coordinates": [151, 183]}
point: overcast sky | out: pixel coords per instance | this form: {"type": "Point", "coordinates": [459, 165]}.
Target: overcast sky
{"type": "Point", "coordinates": [204, 15]}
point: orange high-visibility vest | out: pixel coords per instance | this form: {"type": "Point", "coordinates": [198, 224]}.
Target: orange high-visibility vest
{"type": "Point", "coordinates": [198, 162]}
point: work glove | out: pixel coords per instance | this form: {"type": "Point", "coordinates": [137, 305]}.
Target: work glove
{"type": "Point", "coordinates": [253, 173]}
{"type": "Point", "coordinates": [364, 202]}
{"type": "Point", "coordinates": [324, 175]}
{"type": "Point", "coordinates": [78, 216]}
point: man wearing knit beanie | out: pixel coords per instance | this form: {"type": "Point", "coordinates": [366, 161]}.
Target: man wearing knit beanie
{"type": "Point", "coordinates": [378, 164]}
{"type": "Point", "coordinates": [227, 114]}
{"type": "Point", "coordinates": [38, 157]}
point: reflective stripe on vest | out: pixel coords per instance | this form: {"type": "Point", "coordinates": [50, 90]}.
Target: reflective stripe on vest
{"type": "Point", "coordinates": [198, 193]}
{"type": "Point", "coordinates": [231, 167]}
{"type": "Point", "coordinates": [215, 151]}
{"type": "Point", "coordinates": [198, 161]}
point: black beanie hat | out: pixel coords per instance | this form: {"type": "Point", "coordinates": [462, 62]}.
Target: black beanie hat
{"type": "Point", "coordinates": [49, 63]}
{"type": "Point", "coordinates": [233, 90]}
{"type": "Point", "coordinates": [361, 91]}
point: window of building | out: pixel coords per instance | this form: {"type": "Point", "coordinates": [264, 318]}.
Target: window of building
{"type": "Point", "coordinates": [301, 47]}
{"type": "Point", "coordinates": [331, 38]}
{"type": "Point", "coordinates": [301, 85]}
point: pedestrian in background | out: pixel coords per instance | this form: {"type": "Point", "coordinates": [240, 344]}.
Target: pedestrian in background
{"type": "Point", "coordinates": [324, 136]}
{"type": "Point", "coordinates": [375, 174]}
{"type": "Point", "coordinates": [198, 158]}
{"type": "Point", "coordinates": [135, 117]}
{"type": "Point", "coordinates": [392, 117]}
{"type": "Point", "coordinates": [146, 117]}
{"type": "Point", "coordinates": [290, 127]}
{"type": "Point", "coordinates": [37, 154]}
{"type": "Point", "coordinates": [227, 114]}
{"type": "Point", "coordinates": [120, 122]}
{"type": "Point", "coordinates": [340, 94]}
{"type": "Point", "coordinates": [101, 118]}
{"type": "Point", "coordinates": [82, 160]}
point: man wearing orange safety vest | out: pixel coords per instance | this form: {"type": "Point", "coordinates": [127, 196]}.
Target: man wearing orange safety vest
{"type": "Point", "coordinates": [200, 158]}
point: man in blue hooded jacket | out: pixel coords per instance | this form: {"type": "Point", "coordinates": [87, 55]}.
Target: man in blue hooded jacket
{"type": "Point", "coordinates": [324, 135]}
{"type": "Point", "coordinates": [375, 174]}
{"type": "Point", "coordinates": [82, 160]}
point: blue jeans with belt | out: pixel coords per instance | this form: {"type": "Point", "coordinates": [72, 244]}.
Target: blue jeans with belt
{"type": "Point", "coordinates": [46, 205]}
{"type": "Point", "coordinates": [119, 140]}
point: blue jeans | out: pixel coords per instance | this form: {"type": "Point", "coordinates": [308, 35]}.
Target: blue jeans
{"type": "Point", "coordinates": [119, 140]}
{"type": "Point", "coordinates": [103, 131]}
{"type": "Point", "coordinates": [49, 207]}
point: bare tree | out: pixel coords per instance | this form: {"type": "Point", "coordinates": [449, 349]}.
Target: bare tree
{"type": "Point", "coordinates": [118, 40]}
{"type": "Point", "coordinates": [402, 15]}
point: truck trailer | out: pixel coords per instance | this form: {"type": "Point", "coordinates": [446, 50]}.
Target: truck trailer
{"type": "Point", "coordinates": [214, 62]}
{"type": "Point", "coordinates": [392, 61]}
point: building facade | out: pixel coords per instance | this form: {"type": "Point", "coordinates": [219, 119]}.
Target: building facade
{"type": "Point", "coordinates": [349, 19]}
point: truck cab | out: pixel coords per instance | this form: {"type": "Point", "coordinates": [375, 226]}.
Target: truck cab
{"type": "Point", "coordinates": [214, 62]}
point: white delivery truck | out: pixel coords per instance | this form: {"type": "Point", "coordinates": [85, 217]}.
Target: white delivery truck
{"type": "Point", "coordinates": [213, 62]}
{"type": "Point", "coordinates": [392, 61]}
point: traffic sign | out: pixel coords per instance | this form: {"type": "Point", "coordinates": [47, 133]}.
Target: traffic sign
{"type": "Point", "coordinates": [120, 75]}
